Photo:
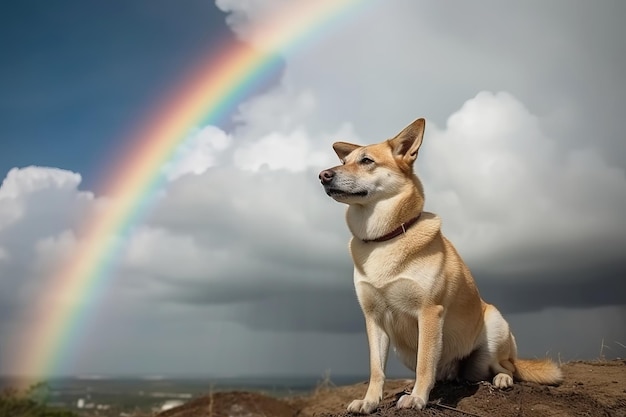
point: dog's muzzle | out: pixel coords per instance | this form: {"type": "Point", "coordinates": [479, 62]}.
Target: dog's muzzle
{"type": "Point", "coordinates": [326, 176]}
{"type": "Point", "coordinates": [328, 179]}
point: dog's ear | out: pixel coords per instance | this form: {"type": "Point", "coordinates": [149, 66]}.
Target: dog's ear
{"type": "Point", "coordinates": [343, 149]}
{"type": "Point", "coordinates": [407, 143]}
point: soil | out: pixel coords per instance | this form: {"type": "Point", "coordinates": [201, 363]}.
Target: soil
{"type": "Point", "coordinates": [590, 389]}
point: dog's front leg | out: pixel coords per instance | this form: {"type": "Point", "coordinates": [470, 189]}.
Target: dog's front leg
{"type": "Point", "coordinates": [379, 347]}
{"type": "Point", "coordinates": [429, 344]}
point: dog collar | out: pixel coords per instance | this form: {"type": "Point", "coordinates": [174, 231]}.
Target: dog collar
{"type": "Point", "coordinates": [396, 232]}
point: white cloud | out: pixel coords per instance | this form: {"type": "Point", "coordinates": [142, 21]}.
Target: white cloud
{"type": "Point", "coordinates": [42, 210]}
{"type": "Point", "coordinates": [274, 133]}
{"type": "Point", "coordinates": [274, 25]}
{"type": "Point", "coordinates": [198, 152]}
{"type": "Point", "coordinates": [20, 184]}
{"type": "Point", "coordinates": [502, 185]}
{"type": "Point", "coordinates": [282, 109]}
{"type": "Point", "coordinates": [245, 15]}
{"type": "Point", "coordinates": [38, 202]}
{"type": "Point", "coordinates": [292, 152]}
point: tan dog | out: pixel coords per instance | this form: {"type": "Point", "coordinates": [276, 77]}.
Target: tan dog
{"type": "Point", "coordinates": [413, 287]}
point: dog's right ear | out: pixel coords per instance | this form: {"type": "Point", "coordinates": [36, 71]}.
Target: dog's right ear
{"type": "Point", "coordinates": [343, 149]}
{"type": "Point", "coordinates": [407, 143]}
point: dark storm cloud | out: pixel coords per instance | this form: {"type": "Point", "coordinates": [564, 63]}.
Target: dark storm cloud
{"type": "Point", "coordinates": [284, 307]}
{"type": "Point", "coordinates": [280, 300]}
{"type": "Point", "coordinates": [581, 287]}
{"type": "Point", "coordinates": [257, 285]}
{"type": "Point", "coordinates": [333, 310]}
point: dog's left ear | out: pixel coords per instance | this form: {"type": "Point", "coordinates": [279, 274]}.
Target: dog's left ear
{"type": "Point", "coordinates": [407, 143]}
{"type": "Point", "coordinates": [343, 149]}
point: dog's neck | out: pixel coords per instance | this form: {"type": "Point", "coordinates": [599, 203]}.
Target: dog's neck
{"type": "Point", "coordinates": [382, 218]}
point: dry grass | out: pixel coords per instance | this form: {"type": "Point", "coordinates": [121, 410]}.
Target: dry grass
{"type": "Point", "coordinates": [325, 384]}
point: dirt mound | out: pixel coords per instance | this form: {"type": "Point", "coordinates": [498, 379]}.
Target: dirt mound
{"type": "Point", "coordinates": [589, 389]}
{"type": "Point", "coordinates": [232, 404]}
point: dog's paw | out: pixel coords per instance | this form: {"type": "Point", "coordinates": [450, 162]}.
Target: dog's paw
{"type": "Point", "coordinates": [362, 406]}
{"type": "Point", "coordinates": [411, 401]}
{"type": "Point", "coordinates": [502, 381]}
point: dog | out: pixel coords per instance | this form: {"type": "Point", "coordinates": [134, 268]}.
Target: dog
{"type": "Point", "coordinates": [414, 289]}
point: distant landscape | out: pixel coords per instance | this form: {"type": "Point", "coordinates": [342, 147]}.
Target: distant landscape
{"type": "Point", "coordinates": [143, 396]}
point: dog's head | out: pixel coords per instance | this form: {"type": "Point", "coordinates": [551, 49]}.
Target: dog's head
{"type": "Point", "coordinates": [375, 172]}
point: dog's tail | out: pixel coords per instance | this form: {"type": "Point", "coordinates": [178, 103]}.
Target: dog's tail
{"type": "Point", "coordinates": [541, 371]}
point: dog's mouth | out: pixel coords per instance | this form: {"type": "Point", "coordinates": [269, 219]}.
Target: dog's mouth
{"type": "Point", "coordinates": [335, 192]}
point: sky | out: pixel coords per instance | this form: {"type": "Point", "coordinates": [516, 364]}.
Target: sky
{"type": "Point", "coordinates": [241, 267]}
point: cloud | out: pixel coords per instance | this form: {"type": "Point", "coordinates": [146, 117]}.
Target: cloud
{"type": "Point", "coordinates": [263, 238]}
{"type": "Point", "coordinates": [250, 227]}
{"type": "Point", "coordinates": [431, 57]}
{"type": "Point", "coordinates": [522, 159]}
{"type": "Point", "coordinates": [229, 235]}
{"type": "Point", "coordinates": [41, 211]}
{"type": "Point", "coordinates": [282, 109]}
{"type": "Point", "coordinates": [275, 151]}
{"type": "Point", "coordinates": [244, 16]}
{"type": "Point", "coordinates": [506, 190]}
{"type": "Point", "coordinates": [198, 152]}
{"type": "Point", "coordinates": [38, 203]}
{"type": "Point", "coordinates": [20, 185]}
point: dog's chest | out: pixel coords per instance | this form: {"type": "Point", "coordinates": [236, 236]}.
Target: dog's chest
{"type": "Point", "coordinates": [387, 284]}
{"type": "Point", "coordinates": [400, 275]}
{"type": "Point", "coordinates": [381, 265]}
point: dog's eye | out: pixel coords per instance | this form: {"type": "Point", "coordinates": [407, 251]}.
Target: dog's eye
{"type": "Point", "coordinates": [366, 161]}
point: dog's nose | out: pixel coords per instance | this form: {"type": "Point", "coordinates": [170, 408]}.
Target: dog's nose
{"type": "Point", "coordinates": [326, 176]}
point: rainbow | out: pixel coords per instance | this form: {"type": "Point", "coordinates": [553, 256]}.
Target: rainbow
{"type": "Point", "coordinates": [205, 97]}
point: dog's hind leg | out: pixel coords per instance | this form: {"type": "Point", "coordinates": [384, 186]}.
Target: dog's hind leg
{"type": "Point", "coordinates": [503, 371]}
{"type": "Point", "coordinates": [483, 363]}
{"type": "Point", "coordinates": [495, 352]}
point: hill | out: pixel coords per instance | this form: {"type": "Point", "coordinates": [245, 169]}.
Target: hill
{"type": "Point", "coordinates": [589, 389]}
